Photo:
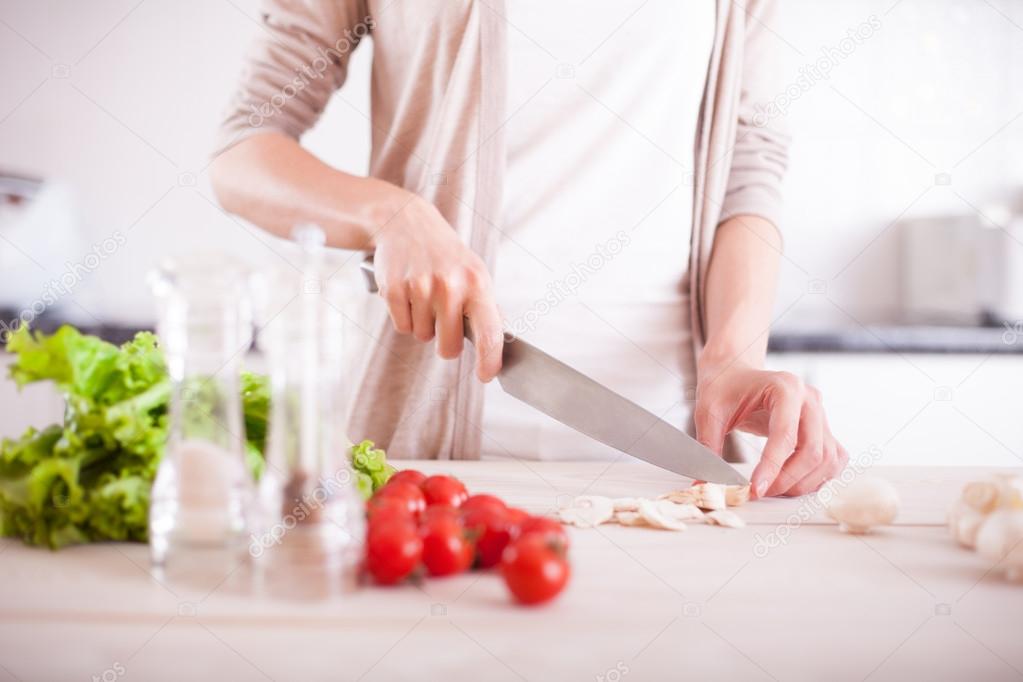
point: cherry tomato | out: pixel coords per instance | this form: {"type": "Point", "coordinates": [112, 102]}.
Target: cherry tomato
{"type": "Point", "coordinates": [476, 501]}
{"type": "Point", "coordinates": [446, 549]}
{"type": "Point", "coordinates": [387, 508]}
{"type": "Point", "coordinates": [393, 551]}
{"type": "Point", "coordinates": [439, 511]}
{"type": "Point", "coordinates": [412, 496]}
{"type": "Point", "coordinates": [544, 526]}
{"type": "Point", "coordinates": [516, 516]}
{"type": "Point", "coordinates": [412, 476]}
{"type": "Point", "coordinates": [534, 568]}
{"type": "Point", "coordinates": [444, 490]}
{"type": "Point", "coordinates": [491, 532]}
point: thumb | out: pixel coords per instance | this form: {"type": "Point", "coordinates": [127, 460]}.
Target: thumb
{"type": "Point", "coordinates": [711, 424]}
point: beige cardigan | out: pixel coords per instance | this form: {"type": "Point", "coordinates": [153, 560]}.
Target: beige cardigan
{"type": "Point", "coordinates": [437, 115]}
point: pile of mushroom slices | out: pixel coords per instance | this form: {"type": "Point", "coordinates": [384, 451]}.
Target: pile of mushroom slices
{"type": "Point", "coordinates": [988, 518]}
{"type": "Point", "coordinates": [703, 502]}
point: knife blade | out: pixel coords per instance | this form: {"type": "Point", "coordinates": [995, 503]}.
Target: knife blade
{"type": "Point", "coordinates": [574, 399]}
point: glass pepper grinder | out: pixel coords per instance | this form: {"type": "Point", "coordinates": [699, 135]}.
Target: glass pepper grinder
{"type": "Point", "coordinates": [310, 544]}
{"type": "Point", "coordinates": [200, 516]}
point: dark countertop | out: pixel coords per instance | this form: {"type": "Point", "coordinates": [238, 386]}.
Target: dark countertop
{"type": "Point", "coordinates": [873, 339]}
{"type": "Point", "coordinates": [900, 339]}
{"type": "Point", "coordinates": [115, 332]}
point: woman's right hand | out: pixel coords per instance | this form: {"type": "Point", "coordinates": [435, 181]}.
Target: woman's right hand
{"type": "Point", "coordinates": [431, 280]}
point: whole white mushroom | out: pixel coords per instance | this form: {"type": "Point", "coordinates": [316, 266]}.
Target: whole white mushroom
{"type": "Point", "coordinates": [978, 500]}
{"type": "Point", "coordinates": [963, 522]}
{"type": "Point", "coordinates": [1000, 539]}
{"type": "Point", "coordinates": [864, 503]}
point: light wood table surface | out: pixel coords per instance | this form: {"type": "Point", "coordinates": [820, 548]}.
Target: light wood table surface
{"type": "Point", "coordinates": [787, 598]}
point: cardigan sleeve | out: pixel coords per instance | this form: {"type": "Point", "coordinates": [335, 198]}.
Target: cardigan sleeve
{"type": "Point", "coordinates": [760, 153]}
{"type": "Point", "coordinates": [298, 59]}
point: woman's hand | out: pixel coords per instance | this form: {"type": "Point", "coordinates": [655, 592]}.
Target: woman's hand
{"type": "Point", "coordinates": [431, 280]}
{"type": "Point", "coordinates": [428, 277]}
{"type": "Point", "coordinates": [801, 454]}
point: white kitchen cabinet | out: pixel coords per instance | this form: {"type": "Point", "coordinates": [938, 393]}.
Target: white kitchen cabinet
{"type": "Point", "coordinates": [919, 409]}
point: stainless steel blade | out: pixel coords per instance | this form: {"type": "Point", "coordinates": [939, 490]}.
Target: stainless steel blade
{"type": "Point", "coordinates": [578, 401]}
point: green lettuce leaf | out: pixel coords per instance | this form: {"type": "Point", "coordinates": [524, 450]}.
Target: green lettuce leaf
{"type": "Point", "coordinates": [371, 462]}
{"type": "Point", "coordinates": [88, 479]}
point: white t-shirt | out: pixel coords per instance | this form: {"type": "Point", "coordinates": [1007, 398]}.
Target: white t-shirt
{"type": "Point", "coordinates": [603, 101]}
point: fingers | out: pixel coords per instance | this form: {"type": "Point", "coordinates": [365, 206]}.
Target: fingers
{"type": "Point", "coordinates": [485, 321]}
{"type": "Point", "coordinates": [420, 290]}
{"type": "Point", "coordinates": [450, 327]}
{"type": "Point", "coordinates": [711, 425]}
{"type": "Point", "coordinates": [835, 460]}
{"type": "Point", "coordinates": [786, 405]}
{"type": "Point", "coordinates": [809, 454]}
{"type": "Point", "coordinates": [398, 307]}
{"type": "Point", "coordinates": [437, 304]}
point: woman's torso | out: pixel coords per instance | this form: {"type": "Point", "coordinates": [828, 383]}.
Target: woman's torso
{"type": "Point", "coordinates": [603, 101]}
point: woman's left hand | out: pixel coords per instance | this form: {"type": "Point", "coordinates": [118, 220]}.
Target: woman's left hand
{"type": "Point", "coordinates": [801, 454]}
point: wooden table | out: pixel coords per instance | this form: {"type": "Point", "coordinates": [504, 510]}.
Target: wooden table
{"type": "Point", "coordinates": [787, 598]}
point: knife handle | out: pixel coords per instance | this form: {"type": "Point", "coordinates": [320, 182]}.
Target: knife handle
{"type": "Point", "coordinates": [369, 273]}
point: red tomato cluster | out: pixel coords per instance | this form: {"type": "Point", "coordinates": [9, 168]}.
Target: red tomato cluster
{"type": "Point", "coordinates": [425, 523]}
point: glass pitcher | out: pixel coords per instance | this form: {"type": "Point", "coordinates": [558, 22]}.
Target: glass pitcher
{"type": "Point", "coordinates": [310, 543]}
{"type": "Point", "coordinates": [201, 504]}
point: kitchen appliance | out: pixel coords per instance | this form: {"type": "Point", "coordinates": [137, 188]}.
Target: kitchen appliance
{"type": "Point", "coordinates": [594, 410]}
{"type": "Point", "coordinates": [41, 247]}
{"type": "Point", "coordinates": [941, 265]}
{"type": "Point", "coordinates": [1001, 249]}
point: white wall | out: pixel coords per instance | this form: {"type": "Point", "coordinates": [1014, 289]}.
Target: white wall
{"type": "Point", "coordinates": [130, 125]}
{"type": "Point", "coordinates": [940, 80]}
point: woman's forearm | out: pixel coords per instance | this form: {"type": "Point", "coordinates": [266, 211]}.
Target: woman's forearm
{"type": "Point", "coordinates": [429, 278]}
{"type": "Point", "coordinates": [741, 283]}
{"type": "Point", "coordinates": [271, 181]}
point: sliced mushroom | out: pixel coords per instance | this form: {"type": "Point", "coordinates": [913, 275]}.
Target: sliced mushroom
{"type": "Point", "coordinates": [687, 496]}
{"type": "Point", "coordinates": [630, 518]}
{"type": "Point", "coordinates": [726, 518]}
{"type": "Point", "coordinates": [625, 504]}
{"type": "Point", "coordinates": [587, 511]}
{"type": "Point", "coordinates": [680, 512]}
{"type": "Point", "coordinates": [654, 517]}
{"type": "Point", "coordinates": [736, 495]}
{"type": "Point", "coordinates": [703, 495]}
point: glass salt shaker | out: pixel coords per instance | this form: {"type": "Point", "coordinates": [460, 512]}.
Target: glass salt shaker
{"type": "Point", "coordinates": [310, 544]}
{"type": "Point", "coordinates": [200, 517]}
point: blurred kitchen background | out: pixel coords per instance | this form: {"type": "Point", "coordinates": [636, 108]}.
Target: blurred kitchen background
{"type": "Point", "coordinates": [902, 285]}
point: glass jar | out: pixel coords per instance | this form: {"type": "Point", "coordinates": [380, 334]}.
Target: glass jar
{"type": "Point", "coordinates": [200, 516]}
{"type": "Point", "coordinates": [311, 534]}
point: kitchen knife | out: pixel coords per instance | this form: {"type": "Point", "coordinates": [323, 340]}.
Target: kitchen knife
{"type": "Point", "coordinates": [574, 399]}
